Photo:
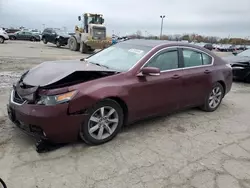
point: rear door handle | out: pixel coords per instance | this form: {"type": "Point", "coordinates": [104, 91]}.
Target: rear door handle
{"type": "Point", "coordinates": [207, 71]}
{"type": "Point", "coordinates": [176, 76]}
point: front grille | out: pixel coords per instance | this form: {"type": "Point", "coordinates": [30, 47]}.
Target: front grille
{"type": "Point", "coordinates": [99, 34]}
{"type": "Point", "coordinates": [17, 99]}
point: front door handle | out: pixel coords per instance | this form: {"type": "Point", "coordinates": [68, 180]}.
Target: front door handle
{"type": "Point", "coordinates": [207, 71]}
{"type": "Point", "coordinates": [176, 76]}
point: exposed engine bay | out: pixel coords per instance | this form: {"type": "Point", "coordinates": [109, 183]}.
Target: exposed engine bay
{"type": "Point", "coordinates": [29, 93]}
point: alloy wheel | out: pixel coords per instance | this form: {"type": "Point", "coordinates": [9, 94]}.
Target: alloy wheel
{"type": "Point", "coordinates": [1, 40]}
{"type": "Point", "coordinates": [103, 123]}
{"type": "Point", "coordinates": [215, 97]}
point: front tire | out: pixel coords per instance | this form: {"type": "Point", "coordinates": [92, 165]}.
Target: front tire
{"type": "Point", "coordinates": [214, 98]}
{"type": "Point", "coordinates": [12, 38]}
{"type": "Point", "coordinates": [103, 122]}
{"type": "Point", "coordinates": [45, 41]}
{"type": "Point", "coordinates": [73, 45]}
{"type": "Point", "coordinates": [2, 40]}
{"type": "Point", "coordinates": [58, 44]}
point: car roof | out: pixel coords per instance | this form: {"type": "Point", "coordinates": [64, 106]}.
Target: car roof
{"type": "Point", "coordinates": [149, 43]}
{"type": "Point", "coordinates": [160, 43]}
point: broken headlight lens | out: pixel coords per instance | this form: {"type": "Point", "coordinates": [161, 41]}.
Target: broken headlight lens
{"type": "Point", "coordinates": [56, 99]}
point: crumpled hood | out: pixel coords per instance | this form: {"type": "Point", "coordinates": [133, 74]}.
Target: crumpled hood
{"type": "Point", "coordinates": [236, 59]}
{"type": "Point", "coordinates": [52, 71]}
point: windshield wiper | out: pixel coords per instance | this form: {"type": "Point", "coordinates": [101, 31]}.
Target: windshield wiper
{"type": "Point", "coordinates": [98, 64]}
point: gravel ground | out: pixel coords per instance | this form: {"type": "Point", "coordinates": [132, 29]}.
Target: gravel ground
{"type": "Point", "coordinates": [189, 149]}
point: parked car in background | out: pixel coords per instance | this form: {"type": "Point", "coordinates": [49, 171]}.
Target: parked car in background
{"type": "Point", "coordinates": [55, 36]}
{"type": "Point", "coordinates": [3, 36]}
{"type": "Point", "coordinates": [208, 46]}
{"type": "Point", "coordinates": [36, 32]}
{"type": "Point", "coordinates": [24, 35]}
{"type": "Point", "coordinates": [129, 81]}
{"type": "Point", "coordinates": [9, 31]}
{"type": "Point", "coordinates": [241, 65]}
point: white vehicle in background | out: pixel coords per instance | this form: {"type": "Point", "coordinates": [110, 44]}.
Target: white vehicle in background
{"type": "Point", "coordinates": [3, 36]}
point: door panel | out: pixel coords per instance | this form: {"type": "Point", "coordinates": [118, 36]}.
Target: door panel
{"type": "Point", "coordinates": [157, 94]}
{"type": "Point", "coordinates": [196, 84]}
{"type": "Point", "coordinates": [20, 36]}
{"type": "Point", "coordinates": [197, 77]}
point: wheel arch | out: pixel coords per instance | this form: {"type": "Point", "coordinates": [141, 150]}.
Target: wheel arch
{"type": "Point", "coordinates": [223, 85]}
{"type": "Point", "coordinates": [123, 105]}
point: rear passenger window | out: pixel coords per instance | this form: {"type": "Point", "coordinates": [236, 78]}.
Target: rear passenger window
{"type": "Point", "coordinates": [206, 59]}
{"type": "Point", "coordinates": [192, 58]}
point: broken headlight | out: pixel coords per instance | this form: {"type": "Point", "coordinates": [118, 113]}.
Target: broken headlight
{"type": "Point", "coordinates": [56, 99]}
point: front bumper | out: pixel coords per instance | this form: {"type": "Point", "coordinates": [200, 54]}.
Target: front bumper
{"type": "Point", "coordinates": [47, 122]}
{"type": "Point", "coordinates": [6, 37]}
{"type": "Point", "coordinates": [63, 41]}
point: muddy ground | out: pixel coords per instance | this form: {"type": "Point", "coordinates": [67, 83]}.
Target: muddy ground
{"type": "Point", "coordinates": [183, 150]}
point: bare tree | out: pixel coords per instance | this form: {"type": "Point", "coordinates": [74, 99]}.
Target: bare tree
{"type": "Point", "coordinates": [139, 33]}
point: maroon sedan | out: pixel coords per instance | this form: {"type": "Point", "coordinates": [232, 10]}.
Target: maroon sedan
{"type": "Point", "coordinates": [93, 98]}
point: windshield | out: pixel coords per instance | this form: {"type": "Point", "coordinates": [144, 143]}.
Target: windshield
{"type": "Point", "coordinates": [120, 57]}
{"type": "Point", "coordinates": [245, 53]}
{"type": "Point", "coordinates": [60, 32]}
{"type": "Point", "coordinates": [95, 19]}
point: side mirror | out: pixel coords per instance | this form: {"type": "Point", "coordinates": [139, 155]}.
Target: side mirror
{"type": "Point", "coordinates": [150, 71]}
{"type": "Point", "coordinates": [79, 18]}
{"type": "Point", "coordinates": [235, 53]}
{"type": "Point", "coordinates": [102, 20]}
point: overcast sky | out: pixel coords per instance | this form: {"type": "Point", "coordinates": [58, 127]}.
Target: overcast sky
{"type": "Point", "coordinates": [207, 17]}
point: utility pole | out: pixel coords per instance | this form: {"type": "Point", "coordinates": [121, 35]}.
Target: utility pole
{"type": "Point", "coordinates": [162, 17]}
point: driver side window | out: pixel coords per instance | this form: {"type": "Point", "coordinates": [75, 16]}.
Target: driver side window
{"type": "Point", "coordinates": [166, 60]}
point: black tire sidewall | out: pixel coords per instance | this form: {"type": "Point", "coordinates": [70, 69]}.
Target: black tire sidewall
{"type": "Point", "coordinates": [206, 106]}
{"type": "Point", "coordinates": [58, 44]}
{"type": "Point", "coordinates": [84, 127]}
{"type": "Point", "coordinates": [45, 41]}
{"type": "Point", "coordinates": [72, 44]}
{"type": "Point", "coordinates": [3, 40]}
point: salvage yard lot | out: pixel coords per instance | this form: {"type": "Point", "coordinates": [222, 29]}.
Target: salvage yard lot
{"type": "Point", "coordinates": [186, 149]}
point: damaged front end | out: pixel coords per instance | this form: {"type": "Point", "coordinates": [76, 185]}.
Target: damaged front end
{"type": "Point", "coordinates": [37, 94]}
{"type": "Point", "coordinates": [56, 76]}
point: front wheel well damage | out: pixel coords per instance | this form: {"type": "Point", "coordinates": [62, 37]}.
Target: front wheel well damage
{"type": "Point", "coordinates": [123, 106]}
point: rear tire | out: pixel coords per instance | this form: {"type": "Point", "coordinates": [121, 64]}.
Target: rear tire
{"type": "Point", "coordinates": [96, 116]}
{"type": "Point", "coordinates": [214, 98]}
{"type": "Point", "coordinates": [33, 39]}
{"type": "Point", "coordinates": [1, 40]}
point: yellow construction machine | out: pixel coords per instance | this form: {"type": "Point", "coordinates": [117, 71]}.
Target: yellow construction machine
{"type": "Point", "coordinates": [91, 36]}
